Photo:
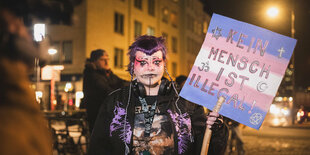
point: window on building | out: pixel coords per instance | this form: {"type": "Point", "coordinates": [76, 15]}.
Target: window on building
{"type": "Point", "coordinates": [138, 4]}
{"type": "Point", "coordinates": [151, 7]}
{"type": "Point", "coordinates": [173, 19]}
{"type": "Point", "coordinates": [165, 35]}
{"type": "Point", "coordinates": [64, 52]}
{"type": "Point", "coordinates": [55, 58]}
{"type": "Point", "coordinates": [138, 29]}
{"type": "Point", "coordinates": [205, 27]}
{"type": "Point", "coordinates": [67, 51]}
{"type": "Point", "coordinates": [190, 23]}
{"type": "Point", "coordinates": [174, 45]}
{"type": "Point", "coordinates": [118, 58]}
{"type": "Point", "coordinates": [165, 15]}
{"type": "Point", "coordinates": [118, 23]}
{"type": "Point", "coordinates": [150, 31]}
{"type": "Point", "coordinates": [174, 69]}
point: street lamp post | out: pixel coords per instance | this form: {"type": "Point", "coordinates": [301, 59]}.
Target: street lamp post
{"type": "Point", "coordinates": [273, 12]}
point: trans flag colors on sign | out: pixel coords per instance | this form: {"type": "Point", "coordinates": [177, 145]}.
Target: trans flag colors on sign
{"type": "Point", "coordinates": [241, 62]}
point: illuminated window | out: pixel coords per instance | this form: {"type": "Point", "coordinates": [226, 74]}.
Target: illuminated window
{"type": "Point", "coordinates": [39, 32]}
{"type": "Point", "coordinates": [138, 29]}
{"type": "Point", "coordinates": [150, 31]}
{"type": "Point", "coordinates": [205, 27]}
{"type": "Point", "coordinates": [174, 20]}
{"type": "Point", "coordinates": [165, 15]}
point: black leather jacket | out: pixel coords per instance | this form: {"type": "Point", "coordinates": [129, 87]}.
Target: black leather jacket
{"type": "Point", "coordinates": [109, 136]}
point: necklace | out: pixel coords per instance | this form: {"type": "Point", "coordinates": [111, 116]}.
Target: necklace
{"type": "Point", "coordinates": [148, 115]}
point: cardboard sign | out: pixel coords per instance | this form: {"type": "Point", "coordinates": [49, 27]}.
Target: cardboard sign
{"type": "Point", "coordinates": [242, 62]}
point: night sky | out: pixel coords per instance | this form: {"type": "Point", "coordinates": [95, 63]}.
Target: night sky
{"type": "Point", "coordinates": [253, 12]}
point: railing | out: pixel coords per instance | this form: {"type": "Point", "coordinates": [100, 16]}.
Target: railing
{"type": "Point", "coordinates": [70, 131]}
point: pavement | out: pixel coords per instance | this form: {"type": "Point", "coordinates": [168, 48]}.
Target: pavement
{"type": "Point", "coordinates": [305, 125]}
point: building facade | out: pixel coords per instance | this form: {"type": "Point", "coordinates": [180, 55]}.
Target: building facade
{"type": "Point", "coordinates": [114, 24]}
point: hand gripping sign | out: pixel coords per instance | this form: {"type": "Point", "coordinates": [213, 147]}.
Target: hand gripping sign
{"type": "Point", "coordinates": [241, 62]}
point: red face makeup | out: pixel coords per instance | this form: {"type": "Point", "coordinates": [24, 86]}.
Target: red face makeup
{"type": "Point", "coordinates": [149, 69]}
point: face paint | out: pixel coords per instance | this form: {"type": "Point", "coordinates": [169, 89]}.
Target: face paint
{"type": "Point", "coordinates": [149, 69]}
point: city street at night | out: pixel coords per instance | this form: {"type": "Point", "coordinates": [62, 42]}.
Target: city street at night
{"type": "Point", "coordinates": [291, 140]}
{"type": "Point", "coordinates": [155, 77]}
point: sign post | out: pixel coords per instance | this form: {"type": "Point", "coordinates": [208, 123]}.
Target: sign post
{"type": "Point", "coordinates": [208, 132]}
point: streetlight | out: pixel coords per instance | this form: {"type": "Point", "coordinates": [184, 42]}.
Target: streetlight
{"type": "Point", "coordinates": [52, 51]}
{"type": "Point", "coordinates": [273, 12]}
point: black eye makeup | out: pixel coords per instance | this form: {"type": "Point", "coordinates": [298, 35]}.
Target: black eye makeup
{"type": "Point", "coordinates": [141, 62]}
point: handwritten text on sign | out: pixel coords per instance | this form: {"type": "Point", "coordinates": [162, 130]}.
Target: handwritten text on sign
{"type": "Point", "coordinates": [242, 62]}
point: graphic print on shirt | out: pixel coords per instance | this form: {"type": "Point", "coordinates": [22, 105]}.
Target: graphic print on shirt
{"type": "Point", "coordinates": [118, 123]}
{"type": "Point", "coordinates": [160, 140]}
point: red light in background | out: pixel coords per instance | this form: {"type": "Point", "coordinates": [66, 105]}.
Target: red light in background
{"type": "Point", "coordinates": [70, 102]}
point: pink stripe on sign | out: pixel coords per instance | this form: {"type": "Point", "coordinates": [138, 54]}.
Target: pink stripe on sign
{"type": "Point", "coordinates": [249, 94]}
{"type": "Point", "coordinates": [277, 65]}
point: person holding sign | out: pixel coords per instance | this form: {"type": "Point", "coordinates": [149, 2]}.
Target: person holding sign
{"type": "Point", "coordinates": [149, 116]}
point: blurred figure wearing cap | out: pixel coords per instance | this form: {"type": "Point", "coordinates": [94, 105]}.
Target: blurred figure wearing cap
{"type": "Point", "coordinates": [98, 82]}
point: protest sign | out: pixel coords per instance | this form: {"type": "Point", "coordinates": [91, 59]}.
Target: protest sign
{"type": "Point", "coordinates": [241, 62]}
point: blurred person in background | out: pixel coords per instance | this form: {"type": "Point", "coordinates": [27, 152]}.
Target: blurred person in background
{"type": "Point", "coordinates": [180, 80]}
{"type": "Point", "coordinates": [98, 82]}
{"type": "Point", "coordinates": [23, 129]}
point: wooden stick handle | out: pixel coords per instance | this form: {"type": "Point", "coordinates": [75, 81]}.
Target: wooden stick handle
{"type": "Point", "coordinates": [208, 132]}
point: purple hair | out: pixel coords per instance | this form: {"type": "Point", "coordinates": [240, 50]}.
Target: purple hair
{"type": "Point", "coordinates": [148, 45]}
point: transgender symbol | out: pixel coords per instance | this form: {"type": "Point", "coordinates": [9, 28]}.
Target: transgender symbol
{"type": "Point", "coordinates": [256, 118]}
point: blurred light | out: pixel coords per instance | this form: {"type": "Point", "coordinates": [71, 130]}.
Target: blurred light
{"type": "Point", "coordinates": [290, 99]}
{"type": "Point", "coordinates": [39, 95]}
{"type": "Point", "coordinates": [274, 109]}
{"type": "Point", "coordinates": [78, 96]}
{"type": "Point", "coordinates": [52, 51]}
{"type": "Point", "coordinates": [272, 12]}
{"type": "Point", "coordinates": [285, 111]}
{"type": "Point", "coordinates": [39, 32]}
{"type": "Point", "coordinates": [279, 99]}
{"type": "Point", "coordinates": [275, 121]}
{"type": "Point", "coordinates": [284, 98]}
{"type": "Point", "coordinates": [58, 67]}
{"type": "Point", "coordinates": [68, 87]}
{"type": "Point", "coordinates": [70, 102]}
{"type": "Point", "coordinates": [302, 113]}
